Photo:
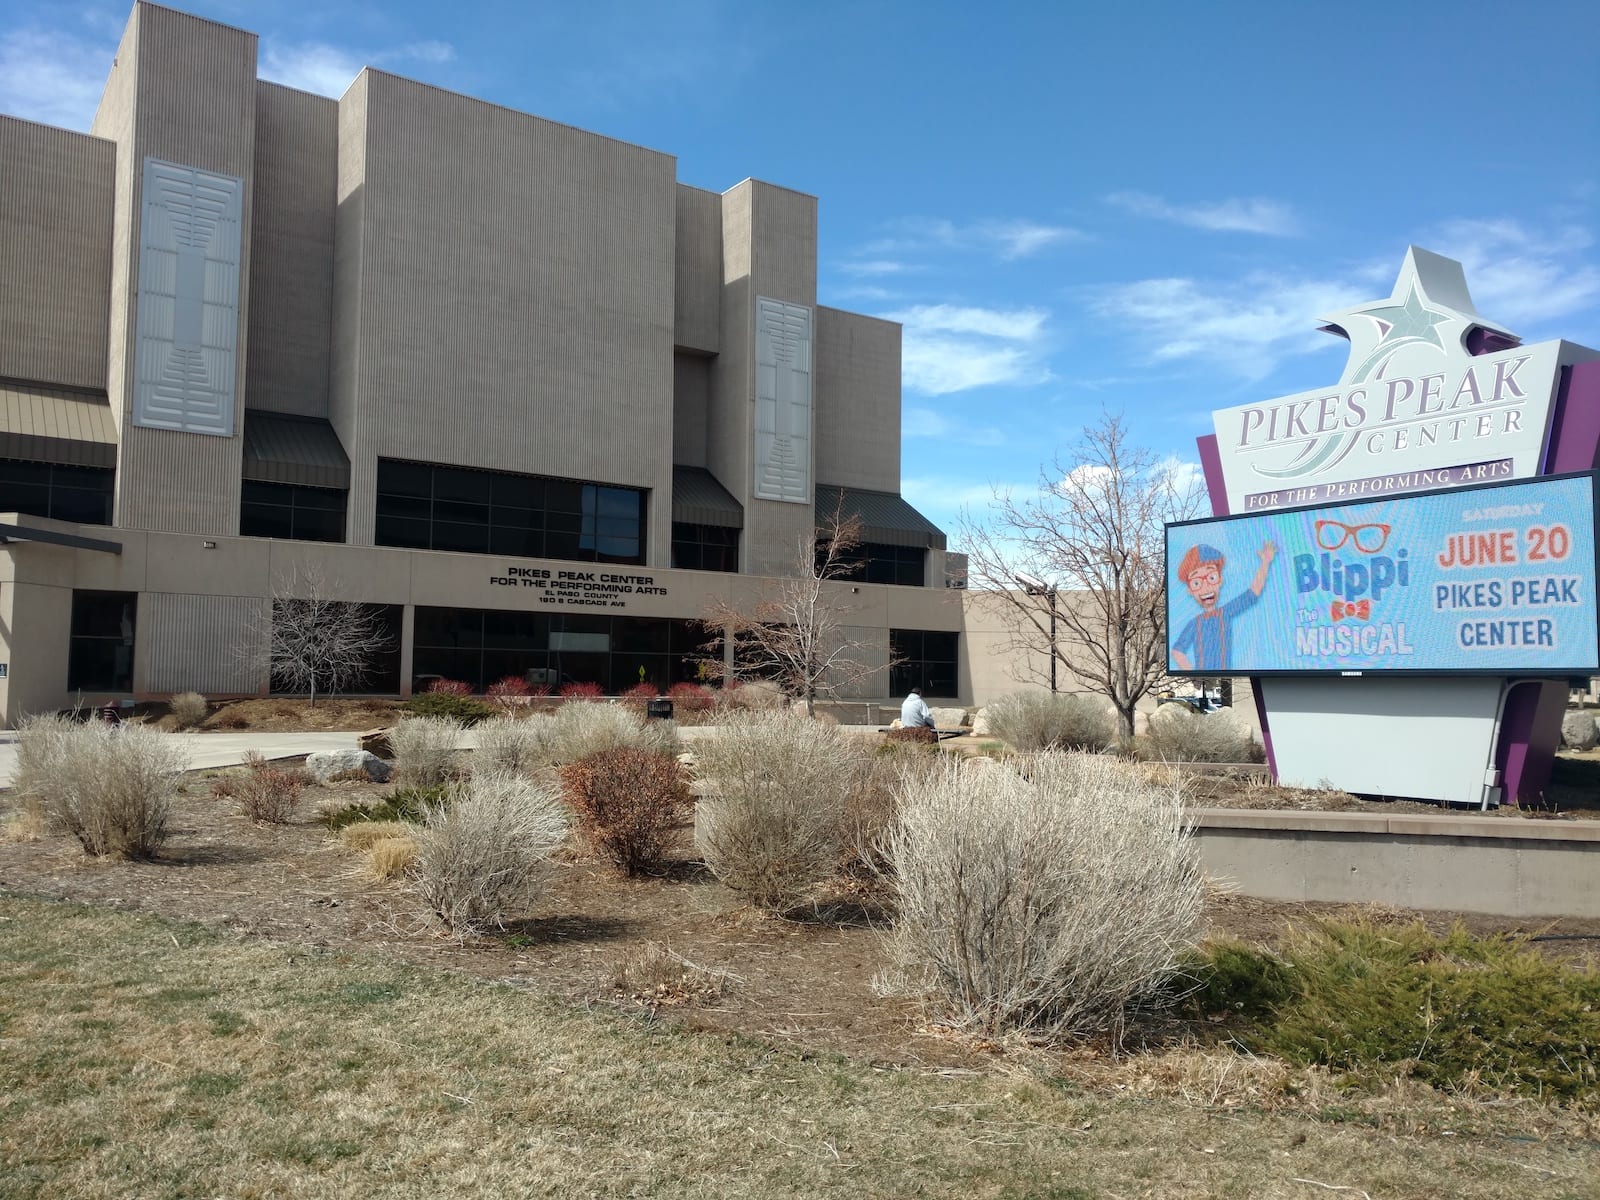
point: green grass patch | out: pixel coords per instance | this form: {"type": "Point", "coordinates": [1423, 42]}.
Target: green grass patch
{"type": "Point", "coordinates": [1378, 1000]}
{"type": "Point", "coordinates": [403, 804]}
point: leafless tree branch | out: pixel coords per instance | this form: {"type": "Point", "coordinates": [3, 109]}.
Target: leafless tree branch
{"type": "Point", "coordinates": [306, 641]}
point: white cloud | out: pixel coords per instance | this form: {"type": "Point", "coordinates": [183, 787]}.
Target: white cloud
{"type": "Point", "coordinates": [309, 66]}
{"type": "Point", "coordinates": [1268, 217]}
{"type": "Point", "coordinates": [875, 266]}
{"type": "Point", "coordinates": [53, 76]}
{"type": "Point", "coordinates": [948, 348]}
{"type": "Point", "coordinates": [1007, 239]}
{"type": "Point", "coordinates": [1517, 276]}
{"type": "Point", "coordinates": [1247, 326]}
{"type": "Point", "coordinates": [328, 70]}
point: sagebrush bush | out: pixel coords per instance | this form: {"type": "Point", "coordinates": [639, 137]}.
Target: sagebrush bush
{"type": "Point", "coordinates": [872, 805]}
{"type": "Point", "coordinates": [464, 710]}
{"type": "Point", "coordinates": [479, 855]}
{"type": "Point", "coordinates": [424, 749]}
{"type": "Point", "coordinates": [771, 824]}
{"type": "Point", "coordinates": [579, 730]}
{"type": "Point", "coordinates": [1379, 1000]}
{"type": "Point", "coordinates": [266, 792]}
{"type": "Point", "coordinates": [188, 709]}
{"type": "Point", "coordinates": [513, 744]}
{"type": "Point", "coordinates": [1033, 721]}
{"type": "Point", "coordinates": [629, 803]}
{"type": "Point", "coordinates": [1045, 903]}
{"type": "Point", "coordinates": [108, 786]}
{"type": "Point", "coordinates": [1179, 734]}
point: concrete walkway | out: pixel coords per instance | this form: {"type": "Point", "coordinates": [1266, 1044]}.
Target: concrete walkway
{"type": "Point", "coordinates": [219, 749]}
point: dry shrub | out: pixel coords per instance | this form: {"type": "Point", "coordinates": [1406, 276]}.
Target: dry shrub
{"type": "Point", "coordinates": [690, 698]}
{"type": "Point", "coordinates": [27, 824]}
{"type": "Point", "coordinates": [771, 822]}
{"type": "Point", "coordinates": [511, 744]}
{"type": "Point", "coordinates": [1033, 721]}
{"type": "Point", "coordinates": [918, 735]}
{"type": "Point", "coordinates": [363, 835]}
{"type": "Point", "coordinates": [510, 694]}
{"type": "Point", "coordinates": [1047, 901]}
{"type": "Point", "coordinates": [1179, 734]}
{"type": "Point", "coordinates": [628, 802]}
{"type": "Point", "coordinates": [579, 730]}
{"type": "Point", "coordinates": [266, 792]}
{"type": "Point", "coordinates": [758, 695]}
{"type": "Point", "coordinates": [188, 709]}
{"type": "Point", "coordinates": [449, 687]}
{"type": "Point", "coordinates": [638, 697]}
{"type": "Point", "coordinates": [583, 693]}
{"type": "Point", "coordinates": [108, 786]}
{"type": "Point", "coordinates": [479, 854]}
{"type": "Point", "coordinates": [656, 977]}
{"type": "Point", "coordinates": [391, 857]}
{"type": "Point", "coordinates": [424, 748]}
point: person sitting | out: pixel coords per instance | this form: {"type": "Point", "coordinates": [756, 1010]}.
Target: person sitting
{"type": "Point", "coordinates": [914, 714]}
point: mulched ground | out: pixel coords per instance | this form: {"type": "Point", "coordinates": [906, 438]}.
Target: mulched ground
{"type": "Point", "coordinates": [801, 981]}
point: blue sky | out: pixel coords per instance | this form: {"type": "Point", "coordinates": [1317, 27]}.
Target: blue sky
{"type": "Point", "coordinates": [1140, 207]}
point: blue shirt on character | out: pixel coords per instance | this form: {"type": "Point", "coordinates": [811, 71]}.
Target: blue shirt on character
{"type": "Point", "coordinates": [1207, 634]}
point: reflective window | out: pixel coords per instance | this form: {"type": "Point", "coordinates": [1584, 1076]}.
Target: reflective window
{"type": "Point", "coordinates": [281, 510]}
{"type": "Point", "coordinates": [427, 507]}
{"type": "Point", "coordinates": [704, 547]}
{"type": "Point", "coordinates": [78, 494]}
{"type": "Point", "coordinates": [100, 655]}
{"type": "Point", "coordinates": [926, 659]}
{"type": "Point", "coordinates": [877, 562]}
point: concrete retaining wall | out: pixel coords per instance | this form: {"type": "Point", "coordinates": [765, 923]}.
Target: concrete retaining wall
{"type": "Point", "coordinates": [1508, 866]}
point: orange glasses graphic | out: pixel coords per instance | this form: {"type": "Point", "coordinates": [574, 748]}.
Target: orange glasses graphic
{"type": "Point", "coordinates": [1368, 539]}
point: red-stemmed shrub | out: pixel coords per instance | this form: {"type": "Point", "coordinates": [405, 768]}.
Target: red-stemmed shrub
{"type": "Point", "coordinates": [690, 698]}
{"type": "Point", "coordinates": [628, 801]}
{"type": "Point", "coordinates": [639, 696]}
{"type": "Point", "coordinates": [584, 692]}
{"type": "Point", "coordinates": [510, 693]}
{"type": "Point", "coordinates": [449, 687]}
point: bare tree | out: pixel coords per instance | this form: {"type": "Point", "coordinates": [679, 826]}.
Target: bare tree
{"type": "Point", "coordinates": [797, 633]}
{"type": "Point", "coordinates": [309, 642]}
{"type": "Point", "coordinates": [1094, 532]}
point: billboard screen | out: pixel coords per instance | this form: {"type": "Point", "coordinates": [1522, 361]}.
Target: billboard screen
{"type": "Point", "coordinates": [1488, 580]}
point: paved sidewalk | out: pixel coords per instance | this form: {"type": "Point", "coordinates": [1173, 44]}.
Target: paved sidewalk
{"type": "Point", "coordinates": [219, 749]}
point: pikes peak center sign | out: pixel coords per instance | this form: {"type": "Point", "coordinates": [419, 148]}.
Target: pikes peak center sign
{"type": "Point", "coordinates": [1420, 405]}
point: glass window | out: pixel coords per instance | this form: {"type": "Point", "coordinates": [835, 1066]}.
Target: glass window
{"type": "Point", "coordinates": [81, 495]}
{"type": "Point", "coordinates": [481, 512]}
{"type": "Point", "coordinates": [927, 659]}
{"type": "Point", "coordinates": [704, 547]}
{"type": "Point", "coordinates": [282, 510]}
{"type": "Point", "coordinates": [100, 654]}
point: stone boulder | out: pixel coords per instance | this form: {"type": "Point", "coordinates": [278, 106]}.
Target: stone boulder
{"type": "Point", "coordinates": [949, 718]}
{"type": "Point", "coordinates": [325, 764]}
{"type": "Point", "coordinates": [376, 741]}
{"type": "Point", "coordinates": [1578, 729]}
{"type": "Point", "coordinates": [980, 722]}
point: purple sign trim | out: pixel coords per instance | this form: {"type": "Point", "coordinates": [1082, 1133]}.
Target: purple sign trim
{"type": "Point", "coordinates": [1374, 486]}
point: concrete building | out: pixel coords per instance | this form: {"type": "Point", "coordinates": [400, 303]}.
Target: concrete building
{"type": "Point", "coordinates": [511, 381]}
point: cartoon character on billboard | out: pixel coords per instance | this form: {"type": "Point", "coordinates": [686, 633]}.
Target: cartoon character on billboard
{"type": "Point", "coordinates": [1207, 637]}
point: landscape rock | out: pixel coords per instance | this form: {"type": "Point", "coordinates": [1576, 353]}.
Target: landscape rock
{"type": "Point", "coordinates": [980, 722]}
{"type": "Point", "coordinates": [325, 764]}
{"type": "Point", "coordinates": [949, 718]}
{"type": "Point", "coordinates": [1578, 730]}
{"type": "Point", "coordinates": [376, 741]}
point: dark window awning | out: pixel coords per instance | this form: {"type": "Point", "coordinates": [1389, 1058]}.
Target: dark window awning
{"type": "Point", "coordinates": [698, 499]}
{"type": "Point", "coordinates": [283, 448]}
{"type": "Point", "coordinates": [54, 537]}
{"type": "Point", "coordinates": [885, 517]}
{"type": "Point", "coordinates": [70, 428]}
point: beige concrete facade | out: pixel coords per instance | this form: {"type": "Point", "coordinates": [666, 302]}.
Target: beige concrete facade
{"type": "Point", "coordinates": [423, 277]}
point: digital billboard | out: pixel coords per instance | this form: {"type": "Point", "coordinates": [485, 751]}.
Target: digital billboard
{"type": "Point", "coordinates": [1488, 580]}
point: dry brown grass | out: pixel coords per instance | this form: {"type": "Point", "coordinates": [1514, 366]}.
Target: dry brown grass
{"type": "Point", "coordinates": [363, 835]}
{"type": "Point", "coordinates": [655, 977]}
{"type": "Point", "coordinates": [27, 824]}
{"type": "Point", "coordinates": [391, 857]}
{"type": "Point", "coordinates": [149, 1058]}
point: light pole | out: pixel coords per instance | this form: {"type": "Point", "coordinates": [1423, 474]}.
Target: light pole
{"type": "Point", "coordinates": [1038, 587]}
